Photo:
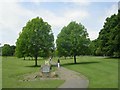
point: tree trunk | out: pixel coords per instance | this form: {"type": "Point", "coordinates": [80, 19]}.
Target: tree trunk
{"type": "Point", "coordinates": [75, 59]}
{"type": "Point", "coordinates": [24, 57]}
{"type": "Point", "coordinates": [35, 60]}
{"type": "Point", "coordinates": [65, 57]}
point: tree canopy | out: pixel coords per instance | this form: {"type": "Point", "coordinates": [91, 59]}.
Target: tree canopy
{"type": "Point", "coordinates": [72, 40]}
{"type": "Point", "coordinates": [109, 36]}
{"type": "Point", "coordinates": [36, 39]}
{"type": "Point", "coordinates": [8, 50]}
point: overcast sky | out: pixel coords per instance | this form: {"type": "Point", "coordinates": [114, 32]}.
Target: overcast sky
{"type": "Point", "coordinates": [14, 16]}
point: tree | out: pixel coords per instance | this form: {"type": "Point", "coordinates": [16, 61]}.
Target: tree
{"type": "Point", "coordinates": [36, 39]}
{"type": "Point", "coordinates": [109, 37]}
{"type": "Point", "coordinates": [8, 50]}
{"type": "Point", "coordinates": [22, 45]}
{"type": "Point", "coordinates": [12, 50]}
{"type": "Point", "coordinates": [72, 40]}
{"type": "Point", "coordinates": [92, 47]}
{"type": "Point", "coordinates": [114, 43]}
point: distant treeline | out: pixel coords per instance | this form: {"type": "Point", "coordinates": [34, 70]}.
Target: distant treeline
{"type": "Point", "coordinates": [7, 50]}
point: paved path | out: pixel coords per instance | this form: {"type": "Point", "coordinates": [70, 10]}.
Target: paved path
{"type": "Point", "coordinates": [72, 79]}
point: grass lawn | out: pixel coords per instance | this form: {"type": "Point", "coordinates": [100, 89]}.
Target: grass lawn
{"type": "Point", "coordinates": [13, 69]}
{"type": "Point", "coordinates": [0, 72]}
{"type": "Point", "coordinates": [101, 72]}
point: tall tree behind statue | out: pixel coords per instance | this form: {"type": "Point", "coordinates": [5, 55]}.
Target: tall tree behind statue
{"type": "Point", "coordinates": [36, 39]}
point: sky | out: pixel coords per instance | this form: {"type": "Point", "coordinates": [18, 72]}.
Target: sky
{"type": "Point", "coordinates": [15, 14]}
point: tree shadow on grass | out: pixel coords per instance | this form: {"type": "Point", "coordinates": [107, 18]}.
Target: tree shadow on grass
{"type": "Point", "coordinates": [112, 58]}
{"type": "Point", "coordinates": [33, 66]}
{"type": "Point", "coordinates": [32, 59]}
{"type": "Point", "coordinates": [54, 65]}
{"type": "Point", "coordinates": [80, 63]}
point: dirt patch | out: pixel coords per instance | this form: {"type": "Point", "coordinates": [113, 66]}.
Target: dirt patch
{"type": "Point", "coordinates": [38, 76]}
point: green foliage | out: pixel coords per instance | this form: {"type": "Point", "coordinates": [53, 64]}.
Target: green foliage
{"type": "Point", "coordinates": [72, 40]}
{"type": "Point", "coordinates": [36, 39]}
{"type": "Point", "coordinates": [92, 47]}
{"type": "Point", "coordinates": [8, 50]}
{"type": "Point", "coordinates": [109, 36]}
{"type": "Point", "coordinates": [13, 50]}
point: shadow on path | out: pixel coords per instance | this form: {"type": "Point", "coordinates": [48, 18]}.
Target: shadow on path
{"type": "Point", "coordinates": [116, 58]}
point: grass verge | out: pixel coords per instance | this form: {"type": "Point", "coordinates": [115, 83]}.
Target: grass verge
{"type": "Point", "coordinates": [101, 72]}
{"type": "Point", "coordinates": [13, 68]}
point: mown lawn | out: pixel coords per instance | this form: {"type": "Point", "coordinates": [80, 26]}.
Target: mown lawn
{"type": "Point", "coordinates": [101, 72]}
{"type": "Point", "coordinates": [13, 69]}
{"type": "Point", "coordinates": [0, 72]}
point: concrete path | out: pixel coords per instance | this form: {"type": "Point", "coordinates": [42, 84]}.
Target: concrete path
{"type": "Point", "coordinates": [72, 79]}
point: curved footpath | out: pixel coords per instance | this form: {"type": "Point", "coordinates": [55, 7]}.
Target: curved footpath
{"type": "Point", "coordinates": [72, 79]}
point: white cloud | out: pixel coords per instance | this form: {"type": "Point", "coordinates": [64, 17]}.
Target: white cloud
{"type": "Point", "coordinates": [68, 15]}
{"type": "Point", "coordinates": [14, 17]}
{"type": "Point", "coordinates": [58, 21]}
{"type": "Point", "coordinates": [68, 0]}
{"type": "Point", "coordinates": [112, 10]}
{"type": "Point", "coordinates": [108, 12]}
{"type": "Point", "coordinates": [83, 1]}
{"type": "Point", "coordinates": [94, 31]}
{"type": "Point", "coordinates": [75, 14]}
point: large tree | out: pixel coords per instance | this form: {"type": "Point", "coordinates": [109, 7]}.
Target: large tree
{"type": "Point", "coordinates": [109, 37]}
{"type": "Point", "coordinates": [72, 40]}
{"type": "Point", "coordinates": [36, 39]}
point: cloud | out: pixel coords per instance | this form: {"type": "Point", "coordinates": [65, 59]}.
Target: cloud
{"type": "Point", "coordinates": [108, 12]}
{"type": "Point", "coordinates": [59, 21]}
{"type": "Point", "coordinates": [76, 13]}
{"type": "Point", "coordinates": [94, 31]}
{"type": "Point", "coordinates": [14, 17]}
{"type": "Point", "coordinates": [93, 34]}
{"type": "Point", "coordinates": [68, 15]}
{"type": "Point", "coordinates": [112, 10]}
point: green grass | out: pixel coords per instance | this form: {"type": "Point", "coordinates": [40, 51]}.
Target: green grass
{"type": "Point", "coordinates": [0, 72]}
{"type": "Point", "coordinates": [101, 72]}
{"type": "Point", "coordinates": [14, 68]}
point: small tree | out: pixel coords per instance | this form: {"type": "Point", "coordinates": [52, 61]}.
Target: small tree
{"type": "Point", "coordinates": [36, 39]}
{"type": "Point", "coordinates": [6, 51]}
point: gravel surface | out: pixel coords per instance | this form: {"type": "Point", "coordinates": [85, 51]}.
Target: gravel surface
{"type": "Point", "coordinates": [72, 79]}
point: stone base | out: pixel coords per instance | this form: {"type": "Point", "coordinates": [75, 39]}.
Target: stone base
{"type": "Point", "coordinates": [48, 75]}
